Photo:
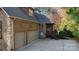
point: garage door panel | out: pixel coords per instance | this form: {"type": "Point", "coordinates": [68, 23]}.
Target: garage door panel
{"type": "Point", "coordinates": [32, 35]}
{"type": "Point", "coordinates": [20, 40]}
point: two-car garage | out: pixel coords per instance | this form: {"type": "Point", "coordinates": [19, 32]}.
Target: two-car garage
{"type": "Point", "coordinates": [24, 33]}
{"type": "Point", "coordinates": [23, 38]}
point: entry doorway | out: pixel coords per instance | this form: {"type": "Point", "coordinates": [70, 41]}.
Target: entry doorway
{"type": "Point", "coordinates": [49, 30]}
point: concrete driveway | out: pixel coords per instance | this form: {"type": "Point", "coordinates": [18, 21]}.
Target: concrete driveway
{"type": "Point", "coordinates": [51, 45]}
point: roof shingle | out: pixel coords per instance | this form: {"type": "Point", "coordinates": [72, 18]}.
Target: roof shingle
{"type": "Point", "coordinates": [18, 12]}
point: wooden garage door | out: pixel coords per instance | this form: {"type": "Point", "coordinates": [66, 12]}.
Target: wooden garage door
{"type": "Point", "coordinates": [32, 35]}
{"type": "Point", "coordinates": [20, 39]}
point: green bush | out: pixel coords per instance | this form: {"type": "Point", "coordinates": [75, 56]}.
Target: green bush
{"type": "Point", "coordinates": [76, 34]}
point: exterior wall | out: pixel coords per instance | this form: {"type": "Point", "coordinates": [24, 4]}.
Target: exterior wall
{"type": "Point", "coordinates": [44, 28]}
{"type": "Point", "coordinates": [6, 31]}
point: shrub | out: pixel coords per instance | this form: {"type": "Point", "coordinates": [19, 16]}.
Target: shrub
{"type": "Point", "coordinates": [76, 35]}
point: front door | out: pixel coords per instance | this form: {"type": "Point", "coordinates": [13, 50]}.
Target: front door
{"type": "Point", "coordinates": [49, 29]}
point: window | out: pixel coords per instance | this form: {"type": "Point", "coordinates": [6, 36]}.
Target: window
{"type": "Point", "coordinates": [0, 30]}
{"type": "Point", "coordinates": [30, 12]}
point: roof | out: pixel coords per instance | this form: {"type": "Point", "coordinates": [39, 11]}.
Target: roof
{"type": "Point", "coordinates": [42, 18]}
{"type": "Point", "coordinates": [18, 12]}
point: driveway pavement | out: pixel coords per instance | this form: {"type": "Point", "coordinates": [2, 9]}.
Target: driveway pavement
{"type": "Point", "coordinates": [51, 45]}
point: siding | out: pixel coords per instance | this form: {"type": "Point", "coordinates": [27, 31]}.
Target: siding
{"type": "Point", "coordinates": [25, 26]}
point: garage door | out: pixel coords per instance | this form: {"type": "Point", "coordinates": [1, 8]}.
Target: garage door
{"type": "Point", "coordinates": [32, 35]}
{"type": "Point", "coordinates": [20, 39]}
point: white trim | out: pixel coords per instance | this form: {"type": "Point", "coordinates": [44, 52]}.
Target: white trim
{"type": "Point", "coordinates": [5, 12]}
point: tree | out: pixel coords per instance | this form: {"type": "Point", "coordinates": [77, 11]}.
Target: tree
{"type": "Point", "coordinates": [73, 20]}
